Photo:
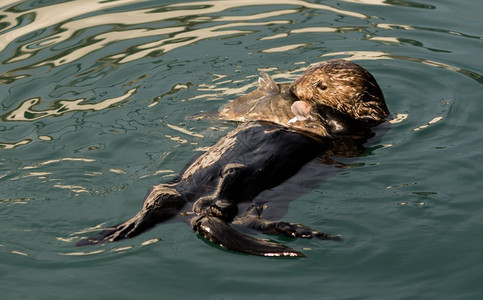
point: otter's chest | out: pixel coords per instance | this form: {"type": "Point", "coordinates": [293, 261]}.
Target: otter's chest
{"type": "Point", "coordinates": [253, 157]}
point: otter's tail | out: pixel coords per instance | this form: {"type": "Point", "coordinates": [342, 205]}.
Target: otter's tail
{"type": "Point", "coordinates": [219, 232]}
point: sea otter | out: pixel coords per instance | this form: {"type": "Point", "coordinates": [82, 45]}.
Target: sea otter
{"type": "Point", "coordinates": [329, 110]}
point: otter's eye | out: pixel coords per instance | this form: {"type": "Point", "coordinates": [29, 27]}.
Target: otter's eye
{"type": "Point", "coordinates": [321, 86]}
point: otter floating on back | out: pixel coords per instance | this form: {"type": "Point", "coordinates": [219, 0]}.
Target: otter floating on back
{"type": "Point", "coordinates": [328, 110]}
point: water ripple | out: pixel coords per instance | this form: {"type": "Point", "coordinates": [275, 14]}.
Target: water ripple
{"type": "Point", "coordinates": [379, 55]}
{"type": "Point", "coordinates": [93, 100]}
{"type": "Point", "coordinates": [393, 3]}
{"type": "Point", "coordinates": [49, 28]}
{"type": "Point", "coordinates": [26, 111]}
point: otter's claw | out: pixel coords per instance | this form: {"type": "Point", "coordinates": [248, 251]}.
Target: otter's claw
{"type": "Point", "coordinates": [300, 231]}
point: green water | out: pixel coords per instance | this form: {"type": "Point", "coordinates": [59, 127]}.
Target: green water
{"type": "Point", "coordinates": [93, 100]}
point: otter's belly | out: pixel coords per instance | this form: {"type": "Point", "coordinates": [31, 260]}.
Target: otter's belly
{"type": "Point", "coordinates": [256, 155]}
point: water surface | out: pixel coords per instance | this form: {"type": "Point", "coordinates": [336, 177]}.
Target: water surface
{"type": "Point", "coordinates": [93, 103]}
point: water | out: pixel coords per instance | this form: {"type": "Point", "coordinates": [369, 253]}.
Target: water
{"type": "Point", "coordinates": [94, 96]}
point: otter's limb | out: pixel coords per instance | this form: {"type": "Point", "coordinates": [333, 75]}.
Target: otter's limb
{"type": "Point", "coordinates": [162, 203]}
{"type": "Point", "coordinates": [219, 232]}
{"type": "Point", "coordinates": [127, 229]}
{"type": "Point", "coordinates": [252, 219]}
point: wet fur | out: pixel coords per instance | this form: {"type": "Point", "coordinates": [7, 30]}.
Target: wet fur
{"type": "Point", "coordinates": [260, 155]}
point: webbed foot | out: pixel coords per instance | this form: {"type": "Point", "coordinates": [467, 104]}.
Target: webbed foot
{"type": "Point", "coordinates": [296, 230]}
{"type": "Point", "coordinates": [252, 219]}
{"type": "Point", "coordinates": [219, 232]}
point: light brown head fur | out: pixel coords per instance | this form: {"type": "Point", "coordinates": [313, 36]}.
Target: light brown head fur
{"type": "Point", "coordinates": [344, 86]}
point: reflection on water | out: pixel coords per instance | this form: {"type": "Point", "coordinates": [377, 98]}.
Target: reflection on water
{"type": "Point", "coordinates": [393, 2]}
{"type": "Point", "coordinates": [75, 19]}
{"type": "Point", "coordinates": [6, 145]}
{"type": "Point", "coordinates": [113, 250]}
{"type": "Point", "coordinates": [57, 161]}
{"type": "Point", "coordinates": [373, 55]}
{"type": "Point", "coordinates": [25, 111]}
{"type": "Point", "coordinates": [94, 96]}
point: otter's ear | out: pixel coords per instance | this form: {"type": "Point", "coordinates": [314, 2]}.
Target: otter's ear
{"type": "Point", "coordinates": [266, 84]}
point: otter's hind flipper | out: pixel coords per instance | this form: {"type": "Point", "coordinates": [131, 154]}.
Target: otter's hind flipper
{"type": "Point", "coordinates": [219, 232]}
{"type": "Point", "coordinates": [252, 219]}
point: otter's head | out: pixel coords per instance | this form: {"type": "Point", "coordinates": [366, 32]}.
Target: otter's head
{"type": "Point", "coordinates": [344, 86]}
